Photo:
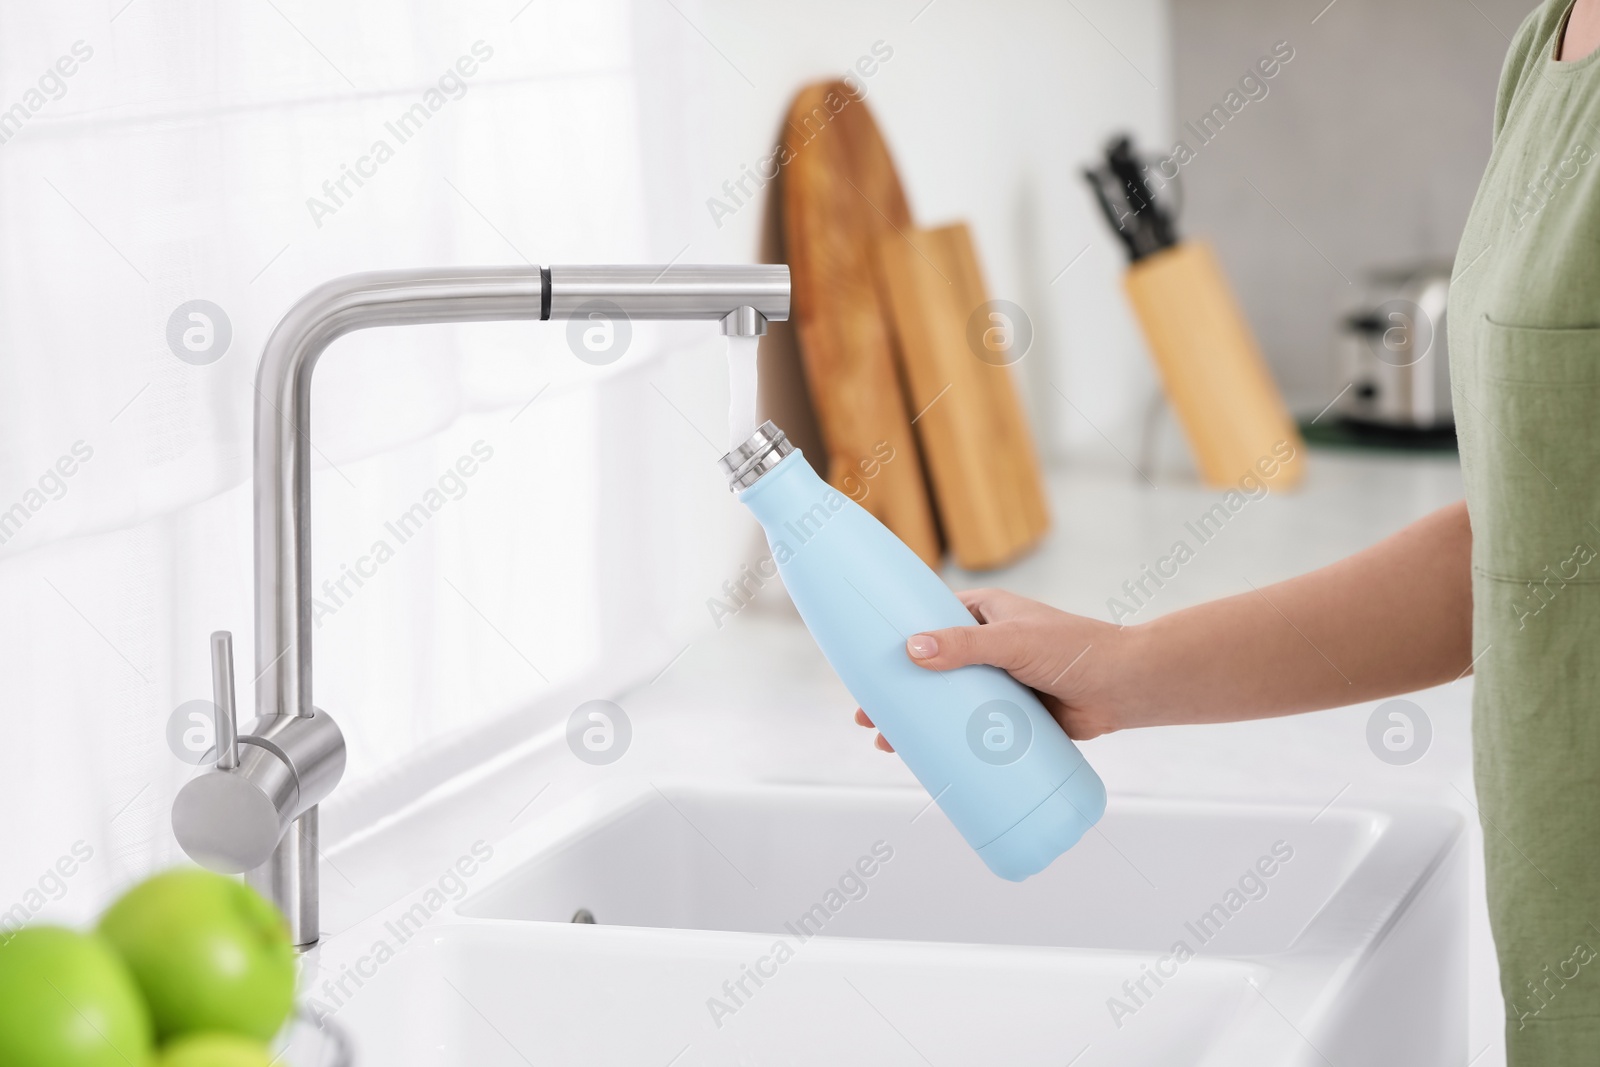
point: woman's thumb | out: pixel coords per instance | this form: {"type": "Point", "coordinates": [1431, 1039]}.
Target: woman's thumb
{"type": "Point", "coordinates": [959, 646]}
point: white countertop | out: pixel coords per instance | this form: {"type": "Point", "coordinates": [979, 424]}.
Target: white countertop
{"type": "Point", "coordinates": [756, 701]}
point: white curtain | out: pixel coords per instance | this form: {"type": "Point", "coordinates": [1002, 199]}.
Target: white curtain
{"type": "Point", "coordinates": [158, 152]}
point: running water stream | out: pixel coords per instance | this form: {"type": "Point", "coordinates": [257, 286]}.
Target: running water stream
{"type": "Point", "coordinates": [742, 421]}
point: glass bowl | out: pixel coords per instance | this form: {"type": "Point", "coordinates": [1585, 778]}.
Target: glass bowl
{"type": "Point", "coordinates": [308, 1042]}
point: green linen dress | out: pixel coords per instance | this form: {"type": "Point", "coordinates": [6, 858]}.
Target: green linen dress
{"type": "Point", "coordinates": [1524, 327]}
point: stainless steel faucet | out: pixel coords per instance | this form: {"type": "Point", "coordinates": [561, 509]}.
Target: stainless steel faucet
{"type": "Point", "coordinates": [255, 812]}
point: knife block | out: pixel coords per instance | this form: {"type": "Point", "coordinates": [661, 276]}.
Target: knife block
{"type": "Point", "coordinates": [1212, 370]}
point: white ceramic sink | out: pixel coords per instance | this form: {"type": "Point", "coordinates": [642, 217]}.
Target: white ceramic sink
{"type": "Point", "coordinates": [752, 860]}
{"type": "Point", "coordinates": [757, 924]}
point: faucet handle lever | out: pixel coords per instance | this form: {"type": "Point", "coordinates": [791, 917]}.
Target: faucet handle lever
{"type": "Point", "coordinates": [227, 723]}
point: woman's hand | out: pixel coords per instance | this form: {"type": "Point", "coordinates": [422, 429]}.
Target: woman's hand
{"type": "Point", "coordinates": [1076, 665]}
{"type": "Point", "coordinates": [1392, 619]}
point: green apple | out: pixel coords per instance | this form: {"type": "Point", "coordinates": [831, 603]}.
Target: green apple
{"type": "Point", "coordinates": [207, 951]}
{"type": "Point", "coordinates": [67, 1000]}
{"type": "Point", "coordinates": [215, 1050]}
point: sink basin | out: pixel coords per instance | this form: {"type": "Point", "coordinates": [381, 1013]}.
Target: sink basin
{"type": "Point", "coordinates": [753, 924]}
{"type": "Point", "coordinates": [756, 860]}
{"type": "Point", "coordinates": [491, 996]}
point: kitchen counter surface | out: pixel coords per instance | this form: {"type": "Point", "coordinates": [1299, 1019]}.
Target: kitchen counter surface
{"type": "Point", "coordinates": [754, 700]}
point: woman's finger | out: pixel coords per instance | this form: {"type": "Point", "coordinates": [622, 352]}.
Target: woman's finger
{"type": "Point", "coordinates": [1002, 644]}
{"type": "Point", "coordinates": [862, 720]}
{"type": "Point", "coordinates": [980, 602]}
{"type": "Point", "coordinates": [998, 605]}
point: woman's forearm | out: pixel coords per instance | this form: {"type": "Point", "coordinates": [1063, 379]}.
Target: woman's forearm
{"type": "Point", "coordinates": [1391, 619]}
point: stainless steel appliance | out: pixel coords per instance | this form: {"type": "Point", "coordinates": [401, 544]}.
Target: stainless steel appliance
{"type": "Point", "coordinates": [1394, 353]}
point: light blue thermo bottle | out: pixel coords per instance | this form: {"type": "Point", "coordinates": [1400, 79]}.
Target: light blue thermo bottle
{"type": "Point", "coordinates": [978, 740]}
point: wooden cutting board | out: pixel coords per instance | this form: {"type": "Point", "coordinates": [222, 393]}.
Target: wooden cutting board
{"type": "Point", "coordinates": [968, 417]}
{"type": "Point", "coordinates": [839, 192]}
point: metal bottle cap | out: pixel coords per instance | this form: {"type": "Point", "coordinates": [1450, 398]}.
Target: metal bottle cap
{"type": "Point", "coordinates": [745, 465]}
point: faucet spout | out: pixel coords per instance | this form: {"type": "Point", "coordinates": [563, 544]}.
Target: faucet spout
{"type": "Point", "coordinates": [283, 437]}
{"type": "Point", "coordinates": [296, 752]}
{"type": "Point", "coordinates": [744, 298]}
